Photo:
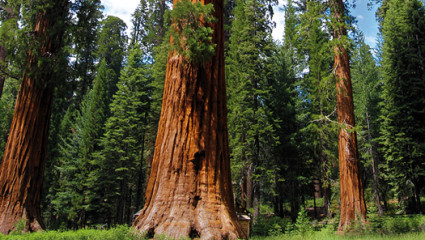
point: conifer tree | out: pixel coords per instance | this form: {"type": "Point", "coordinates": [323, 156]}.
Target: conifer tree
{"type": "Point", "coordinates": [317, 107]}
{"type": "Point", "coordinates": [403, 100]}
{"type": "Point", "coordinates": [122, 164]}
{"type": "Point", "coordinates": [150, 32]}
{"type": "Point", "coordinates": [285, 162]}
{"type": "Point", "coordinates": [366, 91]}
{"type": "Point", "coordinates": [77, 77]}
{"type": "Point", "coordinates": [112, 42]}
{"type": "Point", "coordinates": [250, 128]}
{"type": "Point", "coordinates": [353, 205]}
{"type": "Point", "coordinates": [84, 38]}
{"type": "Point", "coordinates": [190, 175]}
{"type": "Point", "coordinates": [78, 195]}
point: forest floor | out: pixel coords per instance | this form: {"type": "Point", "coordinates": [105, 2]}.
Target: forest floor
{"type": "Point", "coordinates": [123, 233]}
{"type": "Point", "coordinates": [406, 227]}
{"type": "Point", "coordinates": [333, 236]}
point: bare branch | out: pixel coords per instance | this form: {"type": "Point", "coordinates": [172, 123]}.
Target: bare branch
{"type": "Point", "coordinates": [326, 117]}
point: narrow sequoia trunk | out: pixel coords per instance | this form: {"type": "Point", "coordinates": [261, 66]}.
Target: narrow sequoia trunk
{"type": "Point", "coordinates": [189, 193]}
{"type": "Point", "coordinates": [351, 187]}
{"type": "Point", "coordinates": [21, 174]}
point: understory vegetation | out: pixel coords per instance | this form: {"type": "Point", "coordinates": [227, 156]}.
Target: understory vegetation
{"type": "Point", "coordinates": [410, 227]}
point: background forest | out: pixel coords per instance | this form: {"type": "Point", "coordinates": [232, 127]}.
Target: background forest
{"type": "Point", "coordinates": [281, 100]}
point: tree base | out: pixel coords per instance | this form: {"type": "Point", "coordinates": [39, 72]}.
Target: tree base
{"type": "Point", "coordinates": [10, 220]}
{"type": "Point", "coordinates": [204, 222]}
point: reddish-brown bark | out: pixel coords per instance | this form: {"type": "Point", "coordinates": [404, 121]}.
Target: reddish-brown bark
{"type": "Point", "coordinates": [189, 192]}
{"type": "Point", "coordinates": [351, 188]}
{"type": "Point", "coordinates": [22, 169]}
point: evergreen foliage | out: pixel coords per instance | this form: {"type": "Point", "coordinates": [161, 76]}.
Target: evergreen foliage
{"type": "Point", "coordinates": [403, 73]}
{"type": "Point", "coordinates": [84, 38]}
{"type": "Point", "coordinates": [316, 106]}
{"type": "Point", "coordinates": [7, 107]}
{"type": "Point", "coordinates": [251, 129]}
{"type": "Point", "coordinates": [190, 34]}
{"type": "Point", "coordinates": [367, 87]}
{"type": "Point", "coordinates": [149, 26]}
{"type": "Point", "coordinates": [112, 45]}
{"type": "Point", "coordinates": [76, 195]}
{"type": "Point", "coordinates": [121, 159]}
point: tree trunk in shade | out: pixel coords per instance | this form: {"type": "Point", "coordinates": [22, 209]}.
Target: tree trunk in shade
{"type": "Point", "coordinates": [21, 173]}
{"type": "Point", "coordinates": [353, 205]}
{"type": "Point", "coordinates": [189, 192]}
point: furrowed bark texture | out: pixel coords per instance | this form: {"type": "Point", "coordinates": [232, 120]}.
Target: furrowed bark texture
{"type": "Point", "coordinates": [189, 193]}
{"type": "Point", "coordinates": [351, 188]}
{"type": "Point", "coordinates": [21, 173]}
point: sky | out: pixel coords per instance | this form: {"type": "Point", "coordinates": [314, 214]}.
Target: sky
{"type": "Point", "coordinates": [366, 18]}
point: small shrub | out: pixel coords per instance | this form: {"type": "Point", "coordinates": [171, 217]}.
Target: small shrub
{"type": "Point", "coordinates": [270, 226]}
{"type": "Point", "coordinates": [303, 224]}
{"type": "Point", "coordinates": [19, 227]}
{"type": "Point", "coordinates": [395, 225]}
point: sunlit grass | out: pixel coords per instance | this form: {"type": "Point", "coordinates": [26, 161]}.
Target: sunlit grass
{"type": "Point", "coordinates": [334, 236]}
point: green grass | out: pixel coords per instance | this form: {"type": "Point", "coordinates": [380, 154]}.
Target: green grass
{"type": "Point", "coordinates": [334, 236]}
{"type": "Point", "coordinates": [394, 227]}
{"type": "Point", "coordinates": [121, 233]}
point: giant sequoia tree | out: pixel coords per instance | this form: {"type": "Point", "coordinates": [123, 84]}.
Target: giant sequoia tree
{"type": "Point", "coordinates": [351, 188]}
{"type": "Point", "coordinates": [21, 173]}
{"type": "Point", "coordinates": [189, 192]}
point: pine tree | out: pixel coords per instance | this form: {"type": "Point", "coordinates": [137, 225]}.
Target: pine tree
{"type": "Point", "coordinates": [285, 163]}
{"type": "Point", "coordinates": [112, 44]}
{"type": "Point", "coordinates": [317, 106]}
{"type": "Point", "coordinates": [403, 102]}
{"type": "Point", "coordinates": [150, 20]}
{"type": "Point", "coordinates": [250, 128]}
{"type": "Point", "coordinates": [366, 91]}
{"type": "Point", "coordinates": [79, 195]}
{"type": "Point", "coordinates": [149, 24]}
{"type": "Point", "coordinates": [121, 160]}
{"type": "Point", "coordinates": [84, 38]}
{"type": "Point", "coordinates": [77, 77]}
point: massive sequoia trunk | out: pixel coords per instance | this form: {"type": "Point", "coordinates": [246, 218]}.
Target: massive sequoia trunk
{"type": "Point", "coordinates": [21, 173]}
{"type": "Point", "coordinates": [189, 192]}
{"type": "Point", "coordinates": [351, 188]}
